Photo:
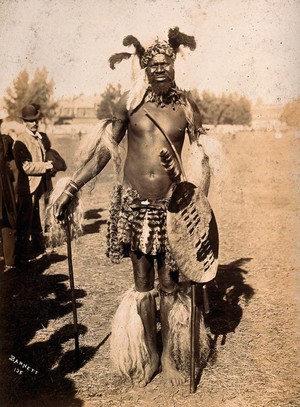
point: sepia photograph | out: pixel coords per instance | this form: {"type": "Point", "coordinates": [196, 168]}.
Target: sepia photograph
{"type": "Point", "coordinates": [149, 203]}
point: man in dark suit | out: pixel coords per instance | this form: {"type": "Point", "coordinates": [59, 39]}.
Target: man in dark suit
{"type": "Point", "coordinates": [7, 198]}
{"type": "Point", "coordinates": [29, 154]}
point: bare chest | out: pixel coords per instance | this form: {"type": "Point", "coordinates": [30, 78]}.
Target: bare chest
{"type": "Point", "coordinates": [171, 120]}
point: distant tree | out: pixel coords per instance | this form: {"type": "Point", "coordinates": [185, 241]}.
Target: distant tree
{"type": "Point", "coordinates": [18, 96]}
{"type": "Point", "coordinates": [39, 90]}
{"type": "Point", "coordinates": [291, 113]}
{"type": "Point", "coordinates": [225, 109]}
{"type": "Point", "coordinates": [109, 98]}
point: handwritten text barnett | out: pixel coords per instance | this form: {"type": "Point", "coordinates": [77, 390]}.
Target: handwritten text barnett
{"type": "Point", "coordinates": [21, 365]}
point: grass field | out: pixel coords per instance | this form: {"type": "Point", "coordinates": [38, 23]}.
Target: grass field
{"type": "Point", "coordinates": [254, 320]}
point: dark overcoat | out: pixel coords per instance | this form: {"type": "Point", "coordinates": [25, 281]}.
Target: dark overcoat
{"type": "Point", "coordinates": [7, 179]}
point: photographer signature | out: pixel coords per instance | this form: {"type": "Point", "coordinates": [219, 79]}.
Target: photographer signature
{"type": "Point", "coordinates": [21, 367]}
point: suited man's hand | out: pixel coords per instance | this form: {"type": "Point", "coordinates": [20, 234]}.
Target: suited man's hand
{"type": "Point", "coordinates": [49, 165]}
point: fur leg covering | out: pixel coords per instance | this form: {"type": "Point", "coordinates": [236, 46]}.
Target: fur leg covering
{"type": "Point", "coordinates": [180, 334]}
{"type": "Point", "coordinates": [129, 352]}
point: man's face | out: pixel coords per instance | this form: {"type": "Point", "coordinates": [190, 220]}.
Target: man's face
{"type": "Point", "coordinates": [160, 73]}
{"type": "Point", "coordinates": [32, 125]}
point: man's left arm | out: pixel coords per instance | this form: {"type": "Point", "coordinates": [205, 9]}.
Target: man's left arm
{"type": "Point", "coordinates": [195, 130]}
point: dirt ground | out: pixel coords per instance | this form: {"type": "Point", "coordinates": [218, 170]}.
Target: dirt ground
{"type": "Point", "coordinates": [254, 319]}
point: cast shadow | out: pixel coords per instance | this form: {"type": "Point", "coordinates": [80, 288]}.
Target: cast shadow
{"type": "Point", "coordinates": [93, 227]}
{"type": "Point", "coordinates": [30, 298]}
{"type": "Point", "coordinates": [225, 294]}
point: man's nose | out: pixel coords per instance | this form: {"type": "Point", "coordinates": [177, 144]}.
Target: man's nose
{"type": "Point", "coordinates": [160, 68]}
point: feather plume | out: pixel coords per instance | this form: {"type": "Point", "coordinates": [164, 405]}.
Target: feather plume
{"type": "Point", "coordinates": [117, 58]}
{"type": "Point", "coordinates": [131, 40]}
{"type": "Point", "coordinates": [137, 91]}
{"type": "Point", "coordinates": [170, 165]}
{"type": "Point", "coordinates": [177, 38]}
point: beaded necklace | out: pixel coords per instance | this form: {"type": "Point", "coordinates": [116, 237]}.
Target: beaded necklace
{"type": "Point", "coordinates": [174, 97]}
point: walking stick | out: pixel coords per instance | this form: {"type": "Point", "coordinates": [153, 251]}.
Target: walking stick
{"type": "Point", "coordinates": [70, 264]}
{"type": "Point", "coordinates": [193, 339]}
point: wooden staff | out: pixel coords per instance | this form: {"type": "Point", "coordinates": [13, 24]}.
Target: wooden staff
{"type": "Point", "coordinates": [71, 276]}
{"type": "Point", "coordinates": [193, 339]}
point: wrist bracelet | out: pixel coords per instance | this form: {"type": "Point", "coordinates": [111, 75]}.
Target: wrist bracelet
{"type": "Point", "coordinates": [69, 193]}
{"type": "Point", "coordinates": [74, 185]}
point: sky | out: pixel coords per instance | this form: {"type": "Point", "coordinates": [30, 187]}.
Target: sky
{"type": "Point", "coordinates": [245, 46]}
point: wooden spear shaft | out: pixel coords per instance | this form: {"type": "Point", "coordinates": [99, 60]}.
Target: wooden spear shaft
{"type": "Point", "coordinates": [72, 285]}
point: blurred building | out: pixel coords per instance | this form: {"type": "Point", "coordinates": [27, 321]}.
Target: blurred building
{"type": "Point", "coordinates": [77, 109]}
{"type": "Point", "coordinates": [264, 116]}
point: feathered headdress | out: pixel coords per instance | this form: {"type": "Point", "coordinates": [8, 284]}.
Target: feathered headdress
{"type": "Point", "coordinates": [170, 48]}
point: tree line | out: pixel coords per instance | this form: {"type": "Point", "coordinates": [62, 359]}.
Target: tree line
{"type": "Point", "coordinates": [215, 109]}
{"type": "Point", "coordinates": [25, 91]}
{"type": "Point", "coordinates": [225, 109]}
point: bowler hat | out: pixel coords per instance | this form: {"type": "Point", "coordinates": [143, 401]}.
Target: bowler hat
{"type": "Point", "coordinates": [31, 112]}
{"type": "Point", "coordinates": [3, 114]}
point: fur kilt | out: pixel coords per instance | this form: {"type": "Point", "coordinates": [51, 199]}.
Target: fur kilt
{"type": "Point", "coordinates": [137, 224]}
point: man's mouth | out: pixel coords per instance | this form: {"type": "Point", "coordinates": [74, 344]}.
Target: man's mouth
{"type": "Point", "coordinates": [161, 77]}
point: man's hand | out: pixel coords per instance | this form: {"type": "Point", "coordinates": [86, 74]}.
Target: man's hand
{"type": "Point", "coordinates": [49, 165]}
{"type": "Point", "coordinates": [60, 206]}
{"type": "Point", "coordinates": [50, 168]}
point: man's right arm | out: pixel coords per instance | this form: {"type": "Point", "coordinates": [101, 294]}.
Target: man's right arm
{"type": "Point", "coordinates": [99, 160]}
{"type": "Point", "coordinates": [96, 162]}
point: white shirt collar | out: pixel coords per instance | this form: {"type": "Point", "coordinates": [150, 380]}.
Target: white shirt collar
{"type": "Point", "coordinates": [37, 134]}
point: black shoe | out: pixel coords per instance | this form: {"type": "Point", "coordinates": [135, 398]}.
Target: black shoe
{"type": "Point", "coordinates": [9, 268]}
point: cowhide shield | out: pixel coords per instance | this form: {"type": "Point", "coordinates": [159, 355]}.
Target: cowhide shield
{"type": "Point", "coordinates": [192, 233]}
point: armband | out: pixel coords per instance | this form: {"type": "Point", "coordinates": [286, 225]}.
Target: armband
{"type": "Point", "coordinates": [71, 189]}
{"type": "Point", "coordinates": [200, 131]}
{"type": "Point", "coordinates": [74, 185]}
{"type": "Point", "coordinates": [68, 193]}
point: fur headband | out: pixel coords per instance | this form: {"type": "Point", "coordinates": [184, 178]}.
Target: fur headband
{"type": "Point", "coordinates": [159, 47]}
